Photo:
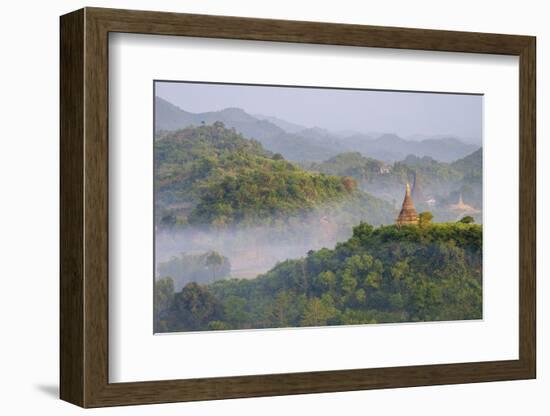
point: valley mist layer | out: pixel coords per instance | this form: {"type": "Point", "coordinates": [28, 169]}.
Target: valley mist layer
{"type": "Point", "coordinates": [216, 191]}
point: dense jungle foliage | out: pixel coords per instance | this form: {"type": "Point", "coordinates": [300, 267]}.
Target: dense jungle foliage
{"type": "Point", "coordinates": [211, 175]}
{"type": "Point", "coordinates": [430, 272]}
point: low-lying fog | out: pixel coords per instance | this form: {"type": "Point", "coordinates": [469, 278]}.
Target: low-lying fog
{"type": "Point", "coordinates": [250, 250]}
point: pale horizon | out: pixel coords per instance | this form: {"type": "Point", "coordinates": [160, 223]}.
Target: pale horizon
{"type": "Point", "coordinates": [410, 115]}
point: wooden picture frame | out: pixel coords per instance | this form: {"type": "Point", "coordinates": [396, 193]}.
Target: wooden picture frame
{"type": "Point", "coordinates": [84, 207]}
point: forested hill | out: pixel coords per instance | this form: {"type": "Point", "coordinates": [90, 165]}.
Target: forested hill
{"type": "Point", "coordinates": [439, 182]}
{"type": "Point", "coordinates": [350, 164]}
{"type": "Point", "coordinates": [211, 175]}
{"type": "Point", "coordinates": [386, 274]}
{"type": "Point", "coordinates": [369, 169]}
{"type": "Point", "coordinates": [471, 165]}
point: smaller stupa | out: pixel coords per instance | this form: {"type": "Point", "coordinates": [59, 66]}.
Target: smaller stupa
{"type": "Point", "coordinates": [463, 208]}
{"type": "Point", "coordinates": [407, 215]}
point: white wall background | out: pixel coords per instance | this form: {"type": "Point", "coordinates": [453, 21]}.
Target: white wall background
{"type": "Point", "coordinates": [29, 207]}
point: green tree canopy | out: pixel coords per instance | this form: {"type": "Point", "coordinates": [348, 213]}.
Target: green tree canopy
{"type": "Point", "coordinates": [384, 274]}
{"type": "Point", "coordinates": [425, 218]}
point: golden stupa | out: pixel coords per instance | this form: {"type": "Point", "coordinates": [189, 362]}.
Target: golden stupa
{"type": "Point", "coordinates": [407, 215]}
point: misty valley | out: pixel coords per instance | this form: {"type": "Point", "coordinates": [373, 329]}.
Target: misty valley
{"type": "Point", "coordinates": [263, 223]}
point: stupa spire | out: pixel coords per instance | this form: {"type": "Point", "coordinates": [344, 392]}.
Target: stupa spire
{"type": "Point", "coordinates": [407, 215]}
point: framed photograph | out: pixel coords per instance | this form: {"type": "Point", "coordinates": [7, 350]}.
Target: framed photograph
{"type": "Point", "coordinates": [255, 207]}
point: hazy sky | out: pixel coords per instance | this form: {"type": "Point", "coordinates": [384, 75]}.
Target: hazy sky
{"type": "Point", "coordinates": [402, 113]}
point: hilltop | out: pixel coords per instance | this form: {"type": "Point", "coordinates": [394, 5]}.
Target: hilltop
{"type": "Point", "coordinates": [291, 145]}
{"type": "Point", "coordinates": [211, 175]}
{"type": "Point", "coordinates": [436, 184]}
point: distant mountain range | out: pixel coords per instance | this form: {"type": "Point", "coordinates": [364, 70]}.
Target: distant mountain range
{"type": "Point", "coordinates": [285, 125]}
{"type": "Point", "coordinates": [298, 143]}
{"type": "Point", "coordinates": [420, 137]}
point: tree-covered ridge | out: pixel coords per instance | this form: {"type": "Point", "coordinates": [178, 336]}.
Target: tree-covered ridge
{"type": "Point", "coordinates": [386, 274]}
{"type": "Point", "coordinates": [214, 176]}
{"type": "Point", "coordinates": [350, 164]}
{"type": "Point", "coordinates": [471, 167]}
{"type": "Point", "coordinates": [185, 157]}
{"type": "Point", "coordinates": [437, 185]}
{"type": "Point", "coordinates": [369, 170]}
{"type": "Point", "coordinates": [470, 164]}
{"type": "Point", "coordinates": [250, 189]}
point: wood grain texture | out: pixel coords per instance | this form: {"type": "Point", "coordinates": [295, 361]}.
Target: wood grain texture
{"type": "Point", "coordinates": [162, 23]}
{"type": "Point", "coordinates": [84, 207]}
{"type": "Point", "coordinates": [71, 208]}
{"type": "Point", "coordinates": [96, 220]}
{"type": "Point", "coordinates": [528, 207]}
